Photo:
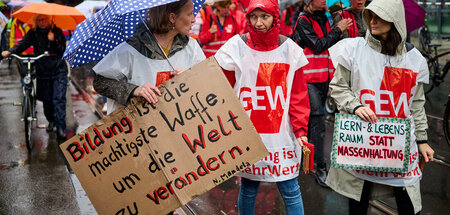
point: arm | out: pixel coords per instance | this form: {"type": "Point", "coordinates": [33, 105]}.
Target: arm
{"type": "Point", "coordinates": [306, 36]}
{"type": "Point", "coordinates": [205, 33]}
{"type": "Point", "coordinates": [24, 44]}
{"type": "Point", "coordinates": [299, 107]}
{"type": "Point", "coordinates": [118, 90]}
{"type": "Point", "coordinates": [420, 121]}
{"type": "Point", "coordinates": [341, 92]}
{"type": "Point", "coordinates": [58, 45]}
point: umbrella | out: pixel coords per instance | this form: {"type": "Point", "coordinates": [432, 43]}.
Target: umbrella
{"type": "Point", "coordinates": [88, 7]}
{"type": "Point", "coordinates": [64, 17]}
{"type": "Point", "coordinates": [414, 15]}
{"type": "Point", "coordinates": [99, 34]}
{"type": "Point", "coordinates": [333, 2]}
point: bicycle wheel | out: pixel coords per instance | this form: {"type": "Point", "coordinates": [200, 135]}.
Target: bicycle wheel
{"type": "Point", "coordinates": [330, 107]}
{"type": "Point", "coordinates": [447, 122]}
{"type": "Point", "coordinates": [27, 119]}
{"type": "Point", "coordinates": [432, 67]}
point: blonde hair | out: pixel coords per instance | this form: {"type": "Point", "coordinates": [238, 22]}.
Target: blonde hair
{"type": "Point", "coordinates": [35, 17]}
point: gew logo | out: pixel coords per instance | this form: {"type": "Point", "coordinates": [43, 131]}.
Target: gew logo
{"type": "Point", "coordinates": [267, 100]}
{"type": "Point", "coordinates": [395, 91]}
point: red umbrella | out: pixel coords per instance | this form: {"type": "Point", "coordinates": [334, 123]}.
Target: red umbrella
{"type": "Point", "coordinates": [414, 15]}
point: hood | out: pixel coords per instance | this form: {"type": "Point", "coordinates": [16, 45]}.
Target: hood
{"type": "Point", "coordinates": [388, 10]}
{"type": "Point", "coordinates": [268, 40]}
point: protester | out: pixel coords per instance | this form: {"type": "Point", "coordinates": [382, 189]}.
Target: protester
{"type": "Point", "coordinates": [239, 15]}
{"type": "Point", "coordinates": [286, 19]}
{"type": "Point", "coordinates": [51, 71]}
{"type": "Point", "coordinates": [137, 66]}
{"type": "Point", "coordinates": [313, 33]}
{"type": "Point", "coordinates": [18, 29]}
{"type": "Point", "coordinates": [354, 12]}
{"type": "Point", "coordinates": [263, 58]}
{"type": "Point", "coordinates": [382, 64]}
{"type": "Point", "coordinates": [299, 9]}
{"type": "Point", "coordinates": [218, 27]}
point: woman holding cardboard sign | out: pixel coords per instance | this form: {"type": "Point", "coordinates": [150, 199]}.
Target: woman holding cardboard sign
{"type": "Point", "coordinates": [381, 76]}
{"type": "Point", "coordinates": [266, 78]}
{"type": "Point", "coordinates": [137, 66]}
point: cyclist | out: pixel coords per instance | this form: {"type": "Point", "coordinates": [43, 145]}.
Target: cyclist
{"type": "Point", "coordinates": [51, 71]}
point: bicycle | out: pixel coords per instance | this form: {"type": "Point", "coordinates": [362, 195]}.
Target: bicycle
{"type": "Point", "coordinates": [437, 76]}
{"type": "Point", "coordinates": [29, 96]}
{"type": "Point", "coordinates": [447, 121]}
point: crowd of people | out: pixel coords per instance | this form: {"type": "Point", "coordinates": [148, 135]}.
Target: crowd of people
{"type": "Point", "coordinates": [305, 50]}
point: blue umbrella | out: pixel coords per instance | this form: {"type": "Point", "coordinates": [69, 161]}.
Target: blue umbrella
{"type": "Point", "coordinates": [333, 2]}
{"type": "Point", "coordinates": [98, 35]}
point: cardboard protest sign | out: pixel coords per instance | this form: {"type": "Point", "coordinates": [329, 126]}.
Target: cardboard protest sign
{"type": "Point", "coordinates": [152, 158]}
{"type": "Point", "coordinates": [383, 146]}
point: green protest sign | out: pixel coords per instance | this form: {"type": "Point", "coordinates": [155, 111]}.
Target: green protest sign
{"type": "Point", "coordinates": [382, 147]}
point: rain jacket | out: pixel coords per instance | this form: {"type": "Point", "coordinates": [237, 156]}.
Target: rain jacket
{"type": "Point", "coordinates": [212, 42]}
{"type": "Point", "coordinates": [272, 89]}
{"type": "Point", "coordinates": [313, 33]}
{"type": "Point", "coordinates": [46, 67]}
{"type": "Point", "coordinates": [357, 69]}
{"type": "Point", "coordinates": [287, 30]}
{"type": "Point", "coordinates": [138, 61]}
{"type": "Point", "coordinates": [17, 33]}
{"type": "Point", "coordinates": [358, 29]}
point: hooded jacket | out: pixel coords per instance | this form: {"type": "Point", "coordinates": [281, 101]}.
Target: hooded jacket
{"type": "Point", "coordinates": [264, 41]}
{"type": "Point", "coordinates": [122, 91]}
{"type": "Point", "coordinates": [346, 182]}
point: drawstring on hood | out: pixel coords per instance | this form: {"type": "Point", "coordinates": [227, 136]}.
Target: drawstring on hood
{"type": "Point", "coordinates": [264, 41]}
{"type": "Point", "coordinates": [390, 11]}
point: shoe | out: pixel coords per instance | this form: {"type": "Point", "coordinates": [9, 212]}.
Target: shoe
{"type": "Point", "coordinates": [50, 127]}
{"type": "Point", "coordinates": [60, 134]}
{"type": "Point", "coordinates": [321, 176]}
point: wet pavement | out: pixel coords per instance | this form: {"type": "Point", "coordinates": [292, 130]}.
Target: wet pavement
{"type": "Point", "coordinates": [36, 182]}
{"type": "Point", "coordinates": [39, 183]}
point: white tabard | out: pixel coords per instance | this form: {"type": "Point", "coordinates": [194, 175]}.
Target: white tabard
{"type": "Point", "coordinates": [386, 84]}
{"type": "Point", "coordinates": [263, 85]}
{"type": "Point", "coordinates": [125, 63]}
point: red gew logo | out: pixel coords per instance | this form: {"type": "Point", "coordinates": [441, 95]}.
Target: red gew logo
{"type": "Point", "coordinates": [267, 101]}
{"type": "Point", "coordinates": [395, 91]}
{"type": "Point", "coordinates": [161, 77]}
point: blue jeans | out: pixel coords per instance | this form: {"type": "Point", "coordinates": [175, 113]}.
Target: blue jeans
{"type": "Point", "coordinates": [289, 190]}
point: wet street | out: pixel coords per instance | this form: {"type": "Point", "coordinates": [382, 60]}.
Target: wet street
{"type": "Point", "coordinates": [39, 182]}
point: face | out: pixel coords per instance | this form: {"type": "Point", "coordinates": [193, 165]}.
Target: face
{"type": "Point", "coordinates": [318, 4]}
{"type": "Point", "coordinates": [232, 6]}
{"type": "Point", "coordinates": [43, 21]}
{"type": "Point", "coordinates": [261, 20]}
{"type": "Point", "coordinates": [223, 11]}
{"type": "Point", "coordinates": [378, 26]}
{"type": "Point", "coordinates": [184, 20]}
{"type": "Point", "coordinates": [358, 5]}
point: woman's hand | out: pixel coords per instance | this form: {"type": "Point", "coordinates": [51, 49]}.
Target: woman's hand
{"type": "Point", "coordinates": [344, 24]}
{"type": "Point", "coordinates": [426, 151]}
{"type": "Point", "coordinates": [51, 36]}
{"type": "Point", "coordinates": [301, 139]}
{"type": "Point", "coordinates": [177, 72]}
{"type": "Point", "coordinates": [366, 114]}
{"type": "Point", "coordinates": [213, 29]}
{"type": "Point", "coordinates": [5, 54]}
{"type": "Point", "coordinates": [149, 92]}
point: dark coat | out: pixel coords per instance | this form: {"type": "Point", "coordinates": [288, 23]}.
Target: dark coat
{"type": "Point", "coordinates": [305, 35]}
{"type": "Point", "coordinates": [46, 67]}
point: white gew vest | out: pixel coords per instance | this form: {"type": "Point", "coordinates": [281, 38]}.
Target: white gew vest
{"type": "Point", "coordinates": [125, 63]}
{"type": "Point", "coordinates": [263, 85]}
{"type": "Point", "coordinates": [387, 85]}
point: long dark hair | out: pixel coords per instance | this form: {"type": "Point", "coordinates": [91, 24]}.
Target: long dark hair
{"type": "Point", "coordinates": [392, 43]}
{"type": "Point", "coordinates": [157, 18]}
